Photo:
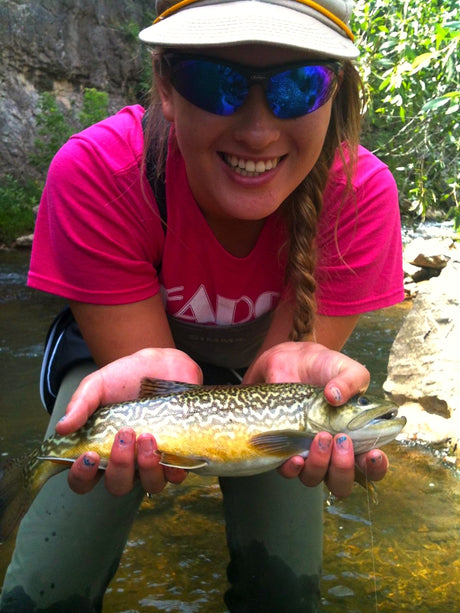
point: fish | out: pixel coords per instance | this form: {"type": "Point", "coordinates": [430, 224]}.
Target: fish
{"type": "Point", "coordinates": [216, 430]}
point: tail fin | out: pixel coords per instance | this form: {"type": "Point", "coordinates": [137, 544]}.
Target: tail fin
{"type": "Point", "coordinates": [14, 495]}
{"type": "Point", "coordinates": [20, 481]}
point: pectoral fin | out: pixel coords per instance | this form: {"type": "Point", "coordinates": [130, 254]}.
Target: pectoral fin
{"type": "Point", "coordinates": [177, 461]}
{"type": "Point", "coordinates": [282, 442]}
{"type": "Point", "coordinates": [57, 460]}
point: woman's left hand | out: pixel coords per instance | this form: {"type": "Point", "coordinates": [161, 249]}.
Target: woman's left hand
{"type": "Point", "coordinates": [331, 459]}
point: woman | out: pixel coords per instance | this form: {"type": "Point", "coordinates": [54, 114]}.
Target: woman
{"type": "Point", "coordinates": [279, 232]}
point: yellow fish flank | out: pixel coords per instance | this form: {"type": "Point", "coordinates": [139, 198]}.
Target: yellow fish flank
{"type": "Point", "coordinates": [226, 430]}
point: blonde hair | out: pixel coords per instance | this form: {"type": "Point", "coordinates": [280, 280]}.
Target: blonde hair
{"type": "Point", "coordinates": [303, 207]}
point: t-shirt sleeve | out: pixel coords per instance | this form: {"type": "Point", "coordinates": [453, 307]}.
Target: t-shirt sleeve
{"type": "Point", "coordinates": [359, 242]}
{"type": "Point", "coordinates": [98, 237]}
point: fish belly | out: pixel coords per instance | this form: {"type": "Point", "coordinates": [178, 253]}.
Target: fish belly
{"type": "Point", "coordinates": [242, 468]}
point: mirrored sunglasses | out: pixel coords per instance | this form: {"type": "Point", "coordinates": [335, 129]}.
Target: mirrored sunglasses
{"type": "Point", "coordinates": [219, 87]}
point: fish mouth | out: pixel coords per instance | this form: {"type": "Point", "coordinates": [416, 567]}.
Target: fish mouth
{"type": "Point", "coordinates": [376, 426]}
{"type": "Point", "coordinates": [375, 417]}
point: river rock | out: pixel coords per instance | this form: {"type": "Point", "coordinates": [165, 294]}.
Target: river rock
{"type": "Point", "coordinates": [24, 242]}
{"type": "Point", "coordinates": [424, 258]}
{"type": "Point", "coordinates": [424, 362]}
{"type": "Point", "coordinates": [429, 253]}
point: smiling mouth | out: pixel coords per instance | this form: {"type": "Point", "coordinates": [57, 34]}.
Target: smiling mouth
{"type": "Point", "coordinates": [249, 168]}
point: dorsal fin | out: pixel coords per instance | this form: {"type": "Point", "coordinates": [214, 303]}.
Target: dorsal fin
{"type": "Point", "coordinates": [160, 387]}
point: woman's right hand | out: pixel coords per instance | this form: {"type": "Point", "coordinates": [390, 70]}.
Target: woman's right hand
{"type": "Point", "coordinates": [116, 382]}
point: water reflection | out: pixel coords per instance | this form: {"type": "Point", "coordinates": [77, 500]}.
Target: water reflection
{"type": "Point", "coordinates": [401, 554]}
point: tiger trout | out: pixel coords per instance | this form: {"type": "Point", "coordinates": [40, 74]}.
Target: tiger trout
{"type": "Point", "coordinates": [220, 430]}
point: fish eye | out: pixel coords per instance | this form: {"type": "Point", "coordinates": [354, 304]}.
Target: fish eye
{"type": "Point", "coordinates": [362, 401]}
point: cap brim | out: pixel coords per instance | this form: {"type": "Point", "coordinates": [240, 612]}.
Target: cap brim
{"type": "Point", "coordinates": [243, 21]}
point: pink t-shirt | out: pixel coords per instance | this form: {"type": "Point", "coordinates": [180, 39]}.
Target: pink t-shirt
{"type": "Point", "coordinates": [99, 238]}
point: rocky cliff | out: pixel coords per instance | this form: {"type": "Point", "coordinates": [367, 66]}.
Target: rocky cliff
{"type": "Point", "coordinates": [64, 46]}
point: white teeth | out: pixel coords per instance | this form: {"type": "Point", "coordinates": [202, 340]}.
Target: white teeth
{"type": "Point", "coordinates": [249, 168]}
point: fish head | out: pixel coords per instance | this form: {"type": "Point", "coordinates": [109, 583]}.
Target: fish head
{"type": "Point", "coordinates": [370, 422]}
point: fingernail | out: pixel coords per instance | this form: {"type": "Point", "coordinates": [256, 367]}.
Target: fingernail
{"type": "Point", "coordinates": [125, 438]}
{"type": "Point", "coordinates": [342, 443]}
{"type": "Point", "coordinates": [297, 464]}
{"type": "Point", "coordinates": [377, 459]}
{"type": "Point", "coordinates": [87, 461]}
{"type": "Point", "coordinates": [145, 445]}
{"type": "Point", "coordinates": [336, 393]}
{"type": "Point", "coordinates": [63, 418]}
{"type": "Point", "coordinates": [324, 442]}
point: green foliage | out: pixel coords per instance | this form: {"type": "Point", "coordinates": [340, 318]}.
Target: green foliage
{"type": "Point", "coordinates": [95, 107]}
{"type": "Point", "coordinates": [17, 201]}
{"type": "Point", "coordinates": [53, 129]}
{"type": "Point", "coordinates": [410, 65]}
{"type": "Point", "coordinates": [55, 126]}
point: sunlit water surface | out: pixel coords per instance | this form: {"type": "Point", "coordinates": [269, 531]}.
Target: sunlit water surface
{"type": "Point", "coordinates": [399, 555]}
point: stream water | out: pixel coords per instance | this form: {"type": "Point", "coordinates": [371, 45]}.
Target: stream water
{"type": "Point", "coordinates": [399, 555]}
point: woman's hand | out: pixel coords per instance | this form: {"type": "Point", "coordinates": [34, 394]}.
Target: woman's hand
{"type": "Point", "coordinates": [331, 459]}
{"type": "Point", "coordinates": [117, 382]}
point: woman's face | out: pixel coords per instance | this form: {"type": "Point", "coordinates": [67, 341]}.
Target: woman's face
{"type": "Point", "coordinates": [282, 151]}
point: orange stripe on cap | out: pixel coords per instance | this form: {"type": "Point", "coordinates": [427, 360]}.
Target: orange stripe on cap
{"type": "Point", "coordinates": [311, 3]}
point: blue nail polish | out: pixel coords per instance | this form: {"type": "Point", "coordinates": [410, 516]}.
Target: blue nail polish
{"type": "Point", "coordinates": [87, 461]}
{"type": "Point", "coordinates": [324, 442]}
{"type": "Point", "coordinates": [125, 439]}
{"type": "Point", "coordinates": [336, 393]}
{"type": "Point", "coordinates": [342, 442]}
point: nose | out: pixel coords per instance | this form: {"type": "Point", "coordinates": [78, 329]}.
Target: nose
{"type": "Point", "coordinates": [256, 125]}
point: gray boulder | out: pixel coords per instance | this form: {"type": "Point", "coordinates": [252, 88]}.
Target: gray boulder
{"type": "Point", "coordinates": [424, 363]}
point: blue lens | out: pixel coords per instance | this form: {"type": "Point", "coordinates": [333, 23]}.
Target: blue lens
{"type": "Point", "coordinates": [211, 86]}
{"type": "Point", "coordinates": [221, 88]}
{"type": "Point", "coordinates": [299, 91]}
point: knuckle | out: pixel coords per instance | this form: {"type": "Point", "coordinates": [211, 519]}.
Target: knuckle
{"type": "Point", "coordinates": [314, 472]}
{"type": "Point", "coordinates": [317, 463]}
{"type": "Point", "coordinates": [153, 484]}
{"type": "Point", "coordinates": [118, 485]}
{"type": "Point", "coordinates": [81, 484]}
{"type": "Point", "coordinates": [311, 480]}
{"type": "Point", "coordinates": [148, 353]}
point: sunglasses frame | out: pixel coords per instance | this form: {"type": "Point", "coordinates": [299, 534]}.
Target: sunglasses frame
{"type": "Point", "coordinates": [253, 75]}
